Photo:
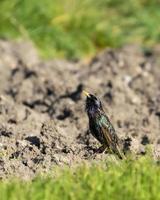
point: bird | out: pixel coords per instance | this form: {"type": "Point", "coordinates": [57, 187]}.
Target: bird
{"type": "Point", "coordinates": [101, 127]}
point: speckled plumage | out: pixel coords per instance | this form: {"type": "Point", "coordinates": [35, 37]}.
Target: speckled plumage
{"type": "Point", "coordinates": [101, 127]}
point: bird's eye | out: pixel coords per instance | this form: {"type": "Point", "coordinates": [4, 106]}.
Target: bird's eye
{"type": "Point", "coordinates": [94, 98]}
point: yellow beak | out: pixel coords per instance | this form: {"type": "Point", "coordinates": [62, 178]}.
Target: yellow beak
{"type": "Point", "coordinates": [86, 93]}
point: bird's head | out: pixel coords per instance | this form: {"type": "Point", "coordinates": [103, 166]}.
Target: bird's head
{"type": "Point", "coordinates": [93, 104]}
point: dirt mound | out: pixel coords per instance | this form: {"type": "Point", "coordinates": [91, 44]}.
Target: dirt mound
{"type": "Point", "coordinates": [42, 118]}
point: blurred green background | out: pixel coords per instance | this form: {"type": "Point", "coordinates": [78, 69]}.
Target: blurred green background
{"type": "Point", "coordinates": [128, 180]}
{"type": "Point", "coordinates": [78, 28]}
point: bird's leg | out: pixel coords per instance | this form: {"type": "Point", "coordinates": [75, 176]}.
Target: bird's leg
{"type": "Point", "coordinates": [101, 149]}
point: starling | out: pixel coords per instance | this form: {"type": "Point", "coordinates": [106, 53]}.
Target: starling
{"type": "Point", "coordinates": [100, 126]}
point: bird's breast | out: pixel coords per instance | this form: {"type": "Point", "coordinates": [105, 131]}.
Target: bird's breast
{"type": "Point", "coordinates": [95, 129]}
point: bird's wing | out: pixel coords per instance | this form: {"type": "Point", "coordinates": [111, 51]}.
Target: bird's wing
{"type": "Point", "coordinates": [108, 130]}
{"type": "Point", "coordinates": [110, 135]}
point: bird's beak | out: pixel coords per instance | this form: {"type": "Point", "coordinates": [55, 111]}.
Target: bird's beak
{"type": "Point", "coordinates": [86, 93]}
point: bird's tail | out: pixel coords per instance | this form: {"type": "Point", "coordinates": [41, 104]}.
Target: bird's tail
{"type": "Point", "coordinates": [118, 152]}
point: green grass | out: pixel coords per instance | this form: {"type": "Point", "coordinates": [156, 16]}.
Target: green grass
{"type": "Point", "coordinates": [76, 28]}
{"type": "Point", "coordinates": [131, 180]}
